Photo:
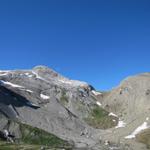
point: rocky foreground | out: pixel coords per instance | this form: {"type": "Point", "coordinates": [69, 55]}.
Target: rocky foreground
{"type": "Point", "coordinates": [41, 109]}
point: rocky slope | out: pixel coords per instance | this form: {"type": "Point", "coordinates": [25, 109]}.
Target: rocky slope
{"type": "Point", "coordinates": [130, 101]}
{"type": "Point", "coordinates": [73, 111]}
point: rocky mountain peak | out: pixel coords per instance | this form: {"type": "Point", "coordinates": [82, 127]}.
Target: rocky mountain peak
{"type": "Point", "coordinates": [44, 70]}
{"type": "Point", "coordinates": [51, 75]}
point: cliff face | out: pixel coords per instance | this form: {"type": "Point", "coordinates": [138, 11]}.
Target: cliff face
{"type": "Point", "coordinates": [73, 110]}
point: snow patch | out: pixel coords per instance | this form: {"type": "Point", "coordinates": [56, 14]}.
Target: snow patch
{"type": "Point", "coordinates": [10, 84]}
{"type": "Point", "coordinates": [106, 142]}
{"type": "Point", "coordinates": [14, 85]}
{"type": "Point", "coordinates": [6, 132]}
{"type": "Point", "coordinates": [39, 77]}
{"type": "Point", "coordinates": [29, 75]}
{"type": "Point", "coordinates": [44, 96]}
{"type": "Point", "coordinates": [32, 104]}
{"type": "Point", "coordinates": [3, 74]}
{"type": "Point", "coordinates": [96, 93]}
{"type": "Point", "coordinates": [137, 130]}
{"type": "Point", "coordinates": [112, 114]}
{"type": "Point", "coordinates": [98, 103]}
{"type": "Point", "coordinates": [29, 91]}
{"type": "Point", "coordinates": [121, 124]}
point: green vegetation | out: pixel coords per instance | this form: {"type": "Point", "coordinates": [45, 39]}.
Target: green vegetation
{"type": "Point", "coordinates": [99, 118]}
{"type": "Point", "coordinates": [37, 136]}
{"type": "Point", "coordinates": [64, 99]}
{"type": "Point", "coordinates": [33, 139]}
{"type": "Point", "coordinates": [144, 137]}
{"type": "Point", "coordinates": [9, 146]}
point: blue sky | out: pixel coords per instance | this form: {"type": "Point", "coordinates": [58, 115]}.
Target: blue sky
{"type": "Point", "coordinates": [98, 41]}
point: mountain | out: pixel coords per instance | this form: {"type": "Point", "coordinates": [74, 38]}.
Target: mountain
{"type": "Point", "coordinates": [130, 101]}
{"type": "Point", "coordinates": [41, 107]}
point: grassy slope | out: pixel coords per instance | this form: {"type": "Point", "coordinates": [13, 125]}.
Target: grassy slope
{"type": "Point", "coordinates": [34, 139]}
{"type": "Point", "coordinates": [99, 118]}
{"type": "Point", "coordinates": [8, 146]}
{"type": "Point", "coordinates": [64, 99]}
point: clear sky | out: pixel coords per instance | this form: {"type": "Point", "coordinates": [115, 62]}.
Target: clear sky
{"type": "Point", "coordinates": [98, 41]}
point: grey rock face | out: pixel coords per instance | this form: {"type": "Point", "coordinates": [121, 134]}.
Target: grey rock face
{"type": "Point", "coordinates": [45, 99]}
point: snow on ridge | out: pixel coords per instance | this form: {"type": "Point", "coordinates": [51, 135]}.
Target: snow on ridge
{"type": "Point", "coordinates": [64, 81]}
{"type": "Point", "coordinates": [37, 76]}
{"type": "Point", "coordinates": [4, 71]}
{"type": "Point", "coordinates": [121, 124]}
{"type": "Point", "coordinates": [96, 93]}
{"type": "Point", "coordinates": [10, 84]}
{"type": "Point", "coordinates": [112, 114]}
{"type": "Point", "coordinates": [138, 130]}
{"type": "Point", "coordinates": [3, 74]}
{"type": "Point", "coordinates": [44, 96]}
{"type": "Point", "coordinates": [72, 82]}
{"type": "Point", "coordinates": [14, 85]}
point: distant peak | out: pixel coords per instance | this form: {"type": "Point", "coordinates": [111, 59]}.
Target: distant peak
{"type": "Point", "coordinates": [42, 67]}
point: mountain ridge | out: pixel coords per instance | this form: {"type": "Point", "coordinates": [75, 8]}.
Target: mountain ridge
{"type": "Point", "coordinates": [73, 110]}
